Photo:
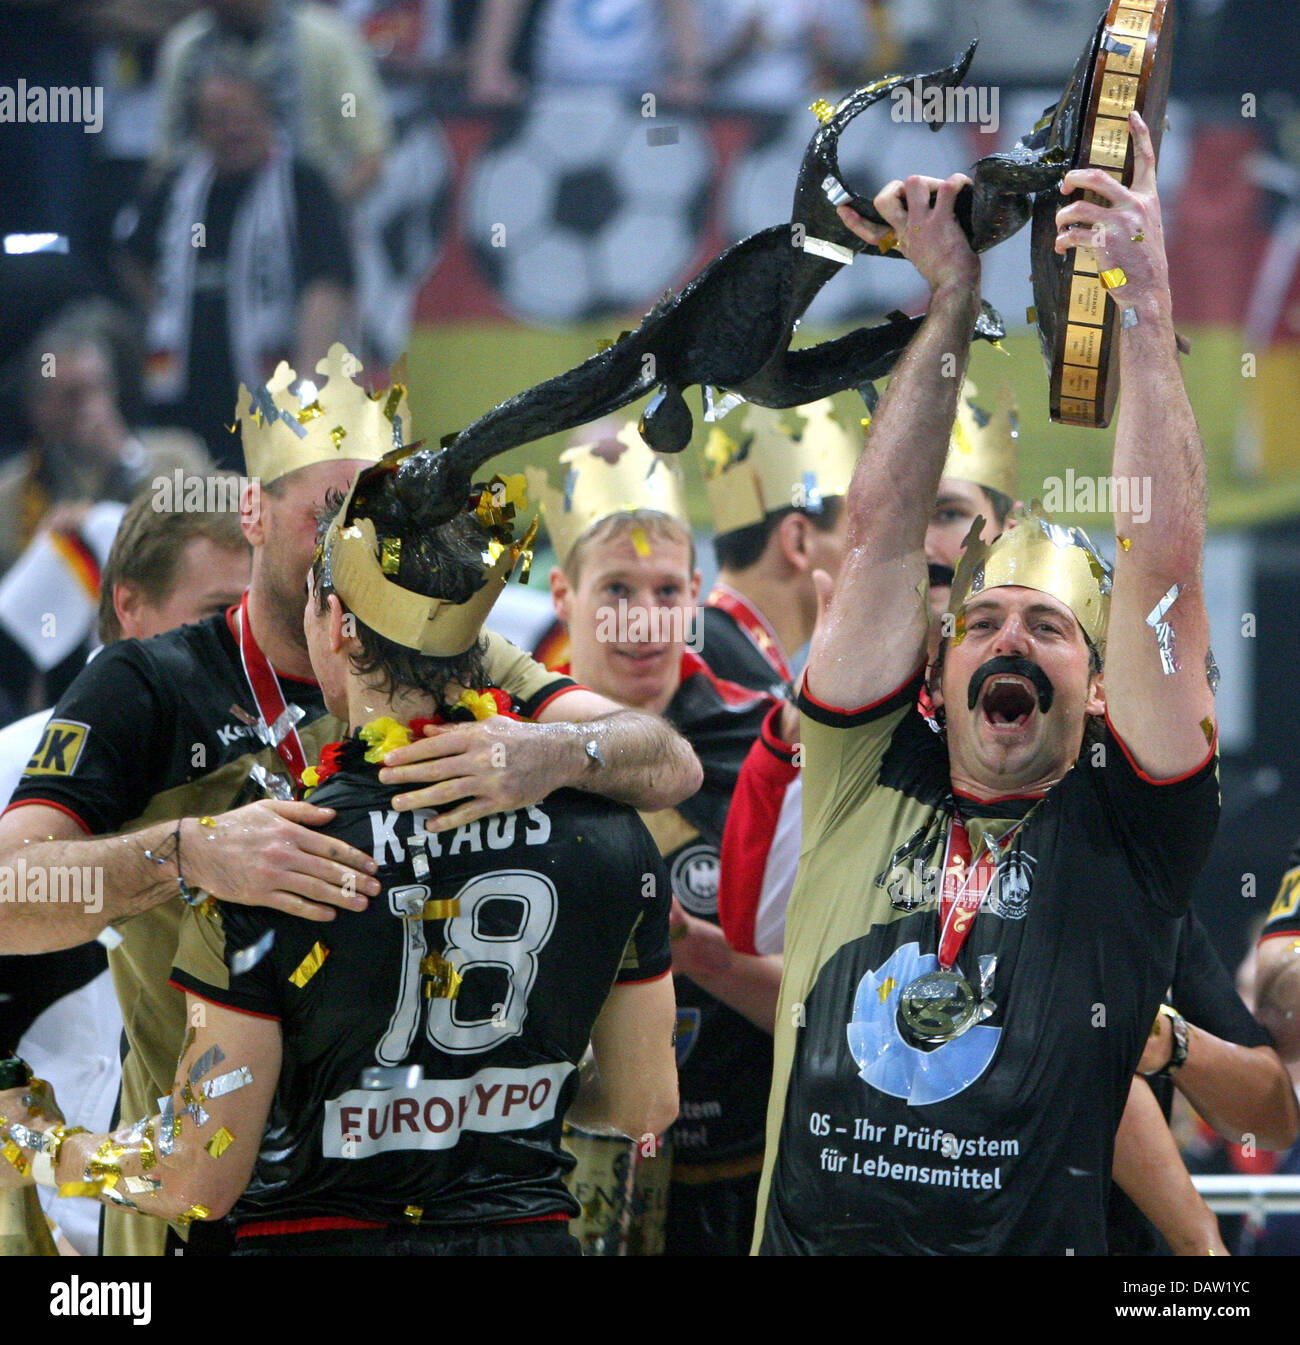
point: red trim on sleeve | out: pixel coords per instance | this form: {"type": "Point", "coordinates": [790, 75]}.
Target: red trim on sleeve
{"type": "Point", "coordinates": [775, 744]}
{"type": "Point", "coordinates": [207, 999]}
{"type": "Point", "coordinates": [1280, 934]}
{"type": "Point", "coordinates": [732, 693]}
{"type": "Point", "coordinates": [266, 1228]}
{"type": "Point", "coordinates": [870, 705]}
{"type": "Point", "coordinates": [646, 980]}
{"type": "Point", "coordinates": [50, 803]}
{"type": "Point", "coordinates": [555, 695]}
{"type": "Point", "coordinates": [752, 816]}
{"type": "Point", "coordinates": [1173, 779]}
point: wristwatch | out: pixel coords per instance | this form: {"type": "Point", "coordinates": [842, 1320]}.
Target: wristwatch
{"type": "Point", "coordinates": [1178, 1050]}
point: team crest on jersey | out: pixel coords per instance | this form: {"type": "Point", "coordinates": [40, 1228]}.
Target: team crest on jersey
{"type": "Point", "coordinates": [694, 878]}
{"type": "Point", "coordinates": [686, 1033]}
{"type": "Point", "coordinates": [59, 749]}
{"type": "Point", "coordinates": [1008, 895]}
{"type": "Point", "coordinates": [887, 1062]}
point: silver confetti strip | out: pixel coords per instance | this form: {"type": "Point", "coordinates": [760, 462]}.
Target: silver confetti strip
{"type": "Point", "coordinates": [836, 192]}
{"type": "Point", "coordinates": [272, 784]}
{"type": "Point", "coordinates": [166, 1127]}
{"type": "Point", "coordinates": [1164, 631]}
{"type": "Point", "coordinates": [283, 725]}
{"type": "Point", "coordinates": [206, 1063]}
{"type": "Point", "coordinates": [27, 1139]}
{"type": "Point", "coordinates": [1128, 317]}
{"type": "Point", "coordinates": [109, 937]}
{"type": "Point", "coordinates": [141, 1186]}
{"type": "Point", "coordinates": [823, 247]}
{"type": "Point", "coordinates": [245, 959]}
{"type": "Point", "coordinates": [380, 1077]}
{"type": "Point", "coordinates": [228, 1083]}
{"type": "Point", "coordinates": [420, 864]}
{"type": "Point", "coordinates": [715, 406]}
{"type": "Point", "coordinates": [198, 1112]}
{"type": "Point", "coordinates": [1212, 672]}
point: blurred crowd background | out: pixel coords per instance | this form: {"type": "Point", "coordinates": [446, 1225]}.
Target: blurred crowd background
{"type": "Point", "coordinates": [493, 188]}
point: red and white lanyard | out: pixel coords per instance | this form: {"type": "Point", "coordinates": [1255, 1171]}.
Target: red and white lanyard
{"type": "Point", "coordinates": [277, 717]}
{"type": "Point", "coordinates": [751, 621]}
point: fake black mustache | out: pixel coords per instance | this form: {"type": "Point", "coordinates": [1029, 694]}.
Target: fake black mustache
{"type": "Point", "coordinates": [1020, 667]}
{"type": "Point", "coordinates": [941, 576]}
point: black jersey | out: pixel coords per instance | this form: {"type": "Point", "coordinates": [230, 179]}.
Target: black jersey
{"type": "Point", "coordinates": [149, 731]}
{"type": "Point", "coordinates": [724, 1062]}
{"type": "Point", "coordinates": [732, 654]}
{"type": "Point", "coordinates": [999, 1139]}
{"type": "Point", "coordinates": [1203, 991]}
{"type": "Point", "coordinates": [540, 911]}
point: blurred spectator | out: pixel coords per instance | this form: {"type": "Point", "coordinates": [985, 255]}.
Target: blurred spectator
{"type": "Point", "coordinates": [166, 568]}
{"type": "Point", "coordinates": [325, 95]}
{"type": "Point", "coordinates": [241, 260]}
{"type": "Point", "coordinates": [82, 449]}
{"type": "Point", "coordinates": [636, 46]}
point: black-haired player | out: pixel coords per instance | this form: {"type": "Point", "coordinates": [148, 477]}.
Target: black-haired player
{"type": "Point", "coordinates": [396, 1083]}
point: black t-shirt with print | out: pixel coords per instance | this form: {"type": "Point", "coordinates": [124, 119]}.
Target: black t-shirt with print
{"type": "Point", "coordinates": [999, 1140]}
{"type": "Point", "coordinates": [541, 910]}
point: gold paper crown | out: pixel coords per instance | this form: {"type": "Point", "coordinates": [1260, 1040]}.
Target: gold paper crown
{"type": "Point", "coordinates": [340, 422]}
{"type": "Point", "coordinates": [776, 468]}
{"type": "Point", "coordinates": [1039, 554]}
{"type": "Point", "coordinates": [356, 560]}
{"type": "Point", "coordinates": [606, 477]}
{"type": "Point", "coordinates": [983, 446]}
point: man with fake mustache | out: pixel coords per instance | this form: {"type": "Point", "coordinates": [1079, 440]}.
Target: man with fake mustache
{"type": "Point", "coordinates": [985, 919]}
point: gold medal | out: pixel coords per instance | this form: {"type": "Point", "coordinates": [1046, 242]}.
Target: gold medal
{"type": "Point", "coordinates": [938, 1006]}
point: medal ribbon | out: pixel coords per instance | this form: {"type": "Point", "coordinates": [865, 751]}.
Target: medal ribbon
{"type": "Point", "coordinates": [268, 696]}
{"type": "Point", "coordinates": [957, 911]}
{"type": "Point", "coordinates": [751, 622]}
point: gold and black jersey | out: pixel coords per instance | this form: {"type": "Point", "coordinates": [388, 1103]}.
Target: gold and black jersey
{"type": "Point", "coordinates": [998, 1139]}
{"type": "Point", "coordinates": [149, 732]}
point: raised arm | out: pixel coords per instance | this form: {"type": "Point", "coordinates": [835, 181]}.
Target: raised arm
{"type": "Point", "coordinates": [873, 638]}
{"type": "Point", "coordinates": [195, 1170]}
{"type": "Point", "coordinates": [1165, 716]}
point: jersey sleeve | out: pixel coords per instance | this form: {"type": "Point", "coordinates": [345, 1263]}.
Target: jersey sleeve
{"type": "Point", "coordinates": [106, 744]}
{"type": "Point", "coordinates": [1204, 991]}
{"type": "Point", "coordinates": [521, 677]}
{"type": "Point", "coordinates": [209, 942]}
{"type": "Point", "coordinates": [1284, 914]}
{"type": "Point", "coordinates": [1165, 826]}
{"type": "Point", "coordinates": [747, 839]}
{"type": "Point", "coordinates": [842, 752]}
{"type": "Point", "coordinates": [648, 954]}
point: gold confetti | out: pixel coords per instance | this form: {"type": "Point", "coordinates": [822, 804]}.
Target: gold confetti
{"type": "Point", "coordinates": [1031, 315]}
{"type": "Point", "coordinates": [194, 1212]}
{"type": "Point", "coordinates": [15, 1156]}
{"type": "Point", "coordinates": [310, 965]}
{"type": "Point", "coordinates": [147, 1155]}
{"type": "Point", "coordinates": [414, 1213]}
{"type": "Point", "coordinates": [338, 434]}
{"type": "Point", "coordinates": [441, 908]}
{"type": "Point", "coordinates": [106, 1159]}
{"type": "Point", "coordinates": [1207, 728]}
{"type": "Point", "coordinates": [639, 541]}
{"type": "Point", "coordinates": [220, 1142]}
{"type": "Point", "coordinates": [1113, 279]}
{"type": "Point", "coordinates": [887, 243]}
{"type": "Point", "coordinates": [69, 1189]}
{"type": "Point", "coordinates": [309, 412]}
{"type": "Point", "coordinates": [442, 979]}
{"type": "Point", "coordinates": [207, 822]}
{"type": "Point", "coordinates": [390, 554]}
{"type": "Point", "coordinates": [1126, 543]}
{"type": "Point", "coordinates": [822, 110]}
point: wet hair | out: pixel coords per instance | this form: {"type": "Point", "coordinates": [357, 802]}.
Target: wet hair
{"type": "Point", "coordinates": [443, 561]}
{"type": "Point", "coordinates": [657, 525]}
{"type": "Point", "coordinates": [743, 547]}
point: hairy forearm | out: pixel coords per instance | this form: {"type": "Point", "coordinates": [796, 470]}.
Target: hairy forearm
{"type": "Point", "coordinates": [644, 762]}
{"type": "Point", "coordinates": [1158, 450]}
{"type": "Point", "coordinates": [85, 885]}
{"type": "Point", "coordinates": [897, 477]}
{"type": "Point", "coordinates": [747, 983]}
{"type": "Point", "coordinates": [1243, 1092]}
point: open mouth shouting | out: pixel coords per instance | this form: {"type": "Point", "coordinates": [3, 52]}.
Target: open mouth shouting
{"type": "Point", "coordinates": [1008, 691]}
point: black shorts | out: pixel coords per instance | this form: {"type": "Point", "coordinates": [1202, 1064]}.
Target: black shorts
{"type": "Point", "coordinates": [712, 1218]}
{"type": "Point", "coordinates": [543, 1238]}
